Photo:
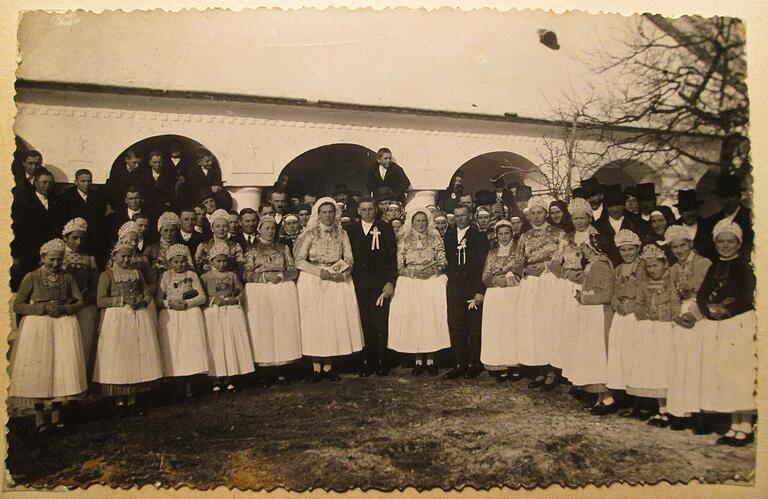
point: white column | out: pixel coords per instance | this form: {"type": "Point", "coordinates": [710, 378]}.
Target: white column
{"type": "Point", "coordinates": [245, 197]}
{"type": "Point", "coordinates": [420, 198]}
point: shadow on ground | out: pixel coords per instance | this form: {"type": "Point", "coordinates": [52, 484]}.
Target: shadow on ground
{"type": "Point", "coordinates": [381, 433]}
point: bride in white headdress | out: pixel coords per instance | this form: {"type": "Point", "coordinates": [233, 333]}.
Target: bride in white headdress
{"type": "Point", "coordinates": [418, 315]}
{"type": "Point", "coordinates": [330, 320]}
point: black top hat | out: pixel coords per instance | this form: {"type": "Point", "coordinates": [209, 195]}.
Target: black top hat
{"type": "Point", "coordinates": [484, 197]}
{"type": "Point", "coordinates": [646, 191]}
{"type": "Point", "coordinates": [341, 189]}
{"type": "Point", "coordinates": [498, 181]}
{"type": "Point", "coordinates": [383, 193]}
{"type": "Point", "coordinates": [578, 192]}
{"type": "Point", "coordinates": [523, 193]}
{"type": "Point", "coordinates": [206, 193]}
{"type": "Point", "coordinates": [687, 200]}
{"type": "Point", "coordinates": [630, 191]}
{"type": "Point", "coordinates": [303, 207]}
{"type": "Point", "coordinates": [728, 186]}
{"type": "Point", "coordinates": [591, 187]}
{"type": "Point", "coordinates": [612, 195]}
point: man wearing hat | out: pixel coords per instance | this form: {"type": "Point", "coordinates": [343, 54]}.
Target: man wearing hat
{"type": "Point", "coordinates": [484, 198]}
{"type": "Point", "coordinates": [688, 205]}
{"type": "Point", "coordinates": [728, 190]}
{"type": "Point", "coordinates": [523, 193]}
{"type": "Point", "coordinates": [387, 173]}
{"type": "Point", "coordinates": [382, 197]}
{"type": "Point", "coordinates": [504, 195]}
{"type": "Point", "coordinates": [616, 219]}
{"type": "Point", "coordinates": [374, 249]}
{"type": "Point", "coordinates": [646, 196]}
{"type": "Point", "coordinates": [593, 192]}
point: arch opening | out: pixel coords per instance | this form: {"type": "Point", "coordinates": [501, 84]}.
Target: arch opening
{"type": "Point", "coordinates": [515, 168]}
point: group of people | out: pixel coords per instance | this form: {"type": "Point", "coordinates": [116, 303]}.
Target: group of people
{"type": "Point", "coordinates": [649, 315]}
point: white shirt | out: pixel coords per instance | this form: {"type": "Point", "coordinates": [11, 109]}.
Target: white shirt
{"type": "Point", "coordinates": [646, 217]}
{"type": "Point", "coordinates": [461, 233]}
{"type": "Point", "coordinates": [43, 199]}
{"type": "Point", "coordinates": [249, 238]}
{"type": "Point", "coordinates": [186, 235]}
{"type": "Point", "coordinates": [732, 215]}
{"type": "Point", "coordinates": [131, 213]}
{"type": "Point", "coordinates": [175, 161]}
{"type": "Point", "coordinates": [366, 226]}
{"type": "Point", "coordinates": [155, 175]}
{"type": "Point", "coordinates": [140, 244]}
{"type": "Point", "coordinates": [382, 172]}
{"type": "Point", "coordinates": [278, 218]}
{"type": "Point", "coordinates": [82, 195]}
{"type": "Point", "coordinates": [198, 229]}
{"type": "Point", "coordinates": [598, 212]}
{"type": "Point", "coordinates": [616, 224]}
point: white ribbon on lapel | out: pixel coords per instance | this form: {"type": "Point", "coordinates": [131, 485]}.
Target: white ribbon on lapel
{"type": "Point", "coordinates": [375, 242]}
{"type": "Point", "coordinates": [462, 252]}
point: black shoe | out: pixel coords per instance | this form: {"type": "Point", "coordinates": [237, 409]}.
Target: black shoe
{"type": "Point", "coordinates": [365, 373]}
{"type": "Point", "coordinates": [504, 377]}
{"type": "Point", "coordinates": [602, 409]}
{"type": "Point", "coordinates": [432, 369]}
{"type": "Point", "coordinates": [316, 377]}
{"type": "Point", "coordinates": [659, 421]}
{"type": "Point", "coordinates": [644, 414]}
{"type": "Point", "coordinates": [677, 424]}
{"type": "Point", "coordinates": [725, 440]}
{"type": "Point", "coordinates": [282, 380]}
{"type": "Point", "coordinates": [232, 389]}
{"type": "Point", "coordinates": [418, 370]}
{"type": "Point", "coordinates": [332, 375]}
{"type": "Point", "coordinates": [702, 430]}
{"type": "Point", "coordinates": [454, 373]}
{"type": "Point", "coordinates": [473, 371]}
{"type": "Point", "coordinates": [515, 377]}
{"type": "Point", "coordinates": [536, 383]}
{"type": "Point", "coordinates": [382, 371]}
{"type": "Point", "coordinates": [548, 387]}
{"type": "Point", "coordinates": [628, 413]}
{"type": "Point", "coordinates": [216, 390]}
{"type": "Point", "coordinates": [743, 442]}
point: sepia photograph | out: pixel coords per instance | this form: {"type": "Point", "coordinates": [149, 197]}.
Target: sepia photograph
{"type": "Point", "coordinates": [380, 249]}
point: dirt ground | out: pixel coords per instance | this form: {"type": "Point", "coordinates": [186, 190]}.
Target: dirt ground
{"type": "Point", "coordinates": [381, 433]}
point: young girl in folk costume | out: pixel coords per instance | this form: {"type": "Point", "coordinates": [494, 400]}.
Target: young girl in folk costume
{"type": "Point", "coordinates": [729, 352]}
{"type": "Point", "coordinates": [128, 354]}
{"type": "Point", "coordinates": [272, 302]}
{"type": "Point", "coordinates": [537, 328]}
{"type": "Point", "coordinates": [588, 359]}
{"type": "Point", "coordinates": [129, 233]}
{"type": "Point", "coordinates": [568, 265]}
{"type": "Point", "coordinates": [418, 314]}
{"type": "Point", "coordinates": [85, 272]}
{"type": "Point", "coordinates": [625, 282]}
{"type": "Point", "coordinates": [181, 326]}
{"type": "Point", "coordinates": [649, 345]}
{"type": "Point", "coordinates": [684, 392]}
{"type": "Point", "coordinates": [220, 229]}
{"type": "Point", "coordinates": [168, 226]}
{"type": "Point", "coordinates": [501, 275]}
{"type": "Point", "coordinates": [330, 320]}
{"type": "Point", "coordinates": [229, 348]}
{"type": "Point", "coordinates": [47, 363]}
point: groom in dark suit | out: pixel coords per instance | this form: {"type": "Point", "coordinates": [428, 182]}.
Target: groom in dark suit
{"type": "Point", "coordinates": [374, 249]}
{"type": "Point", "coordinates": [465, 250]}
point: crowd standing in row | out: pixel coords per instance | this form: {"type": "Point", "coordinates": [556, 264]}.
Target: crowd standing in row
{"type": "Point", "coordinates": [649, 315]}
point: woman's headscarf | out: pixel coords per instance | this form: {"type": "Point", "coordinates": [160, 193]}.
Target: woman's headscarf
{"type": "Point", "coordinates": [565, 224]}
{"type": "Point", "coordinates": [407, 229]}
{"type": "Point", "coordinates": [314, 220]}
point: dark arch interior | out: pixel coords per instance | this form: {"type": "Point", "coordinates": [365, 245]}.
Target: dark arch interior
{"type": "Point", "coordinates": [479, 170]}
{"type": "Point", "coordinates": [318, 171]}
{"type": "Point", "coordinates": [162, 143]}
{"type": "Point", "coordinates": [625, 173]}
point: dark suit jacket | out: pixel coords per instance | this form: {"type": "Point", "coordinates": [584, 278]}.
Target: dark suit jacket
{"type": "Point", "coordinates": [240, 239]}
{"type": "Point", "coordinates": [633, 223]}
{"type": "Point", "coordinates": [373, 268]}
{"type": "Point", "coordinates": [161, 193]}
{"type": "Point", "coordinates": [466, 279]}
{"type": "Point", "coordinates": [744, 220]}
{"type": "Point", "coordinates": [395, 179]}
{"type": "Point", "coordinates": [32, 226]}
{"type": "Point", "coordinates": [194, 241]}
{"type": "Point", "coordinates": [195, 180]}
{"type": "Point", "coordinates": [120, 179]}
{"type": "Point", "coordinates": [116, 219]}
{"type": "Point", "coordinates": [71, 205]}
{"type": "Point", "coordinates": [508, 200]}
{"type": "Point", "coordinates": [702, 243]}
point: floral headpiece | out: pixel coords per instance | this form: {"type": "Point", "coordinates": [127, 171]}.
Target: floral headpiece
{"type": "Point", "coordinates": [53, 245]}
{"type": "Point", "coordinates": [76, 224]}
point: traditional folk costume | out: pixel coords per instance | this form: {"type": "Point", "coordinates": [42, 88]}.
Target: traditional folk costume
{"type": "Point", "coordinates": [648, 347]}
{"type": "Point", "coordinates": [155, 253]}
{"type": "Point", "coordinates": [729, 351]}
{"type": "Point", "coordinates": [272, 309]}
{"type": "Point", "coordinates": [202, 257]}
{"type": "Point", "coordinates": [418, 313]}
{"type": "Point", "coordinates": [568, 266]}
{"type": "Point", "coordinates": [229, 346]}
{"type": "Point", "coordinates": [128, 354]}
{"type": "Point", "coordinates": [537, 328]}
{"type": "Point", "coordinates": [624, 322]}
{"type": "Point", "coordinates": [85, 272]}
{"type": "Point", "coordinates": [587, 357]}
{"type": "Point", "coordinates": [330, 320]}
{"type": "Point", "coordinates": [684, 392]}
{"type": "Point", "coordinates": [47, 362]}
{"type": "Point", "coordinates": [501, 275]}
{"type": "Point", "coordinates": [182, 332]}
